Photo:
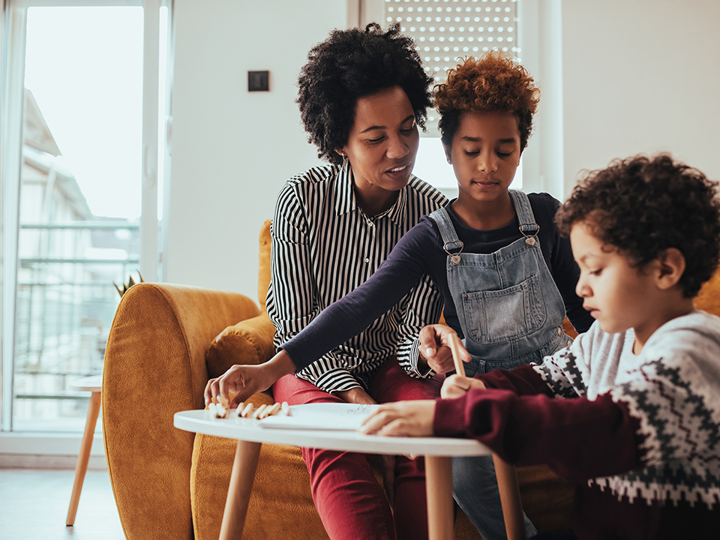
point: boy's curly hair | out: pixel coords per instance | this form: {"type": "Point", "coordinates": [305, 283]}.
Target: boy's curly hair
{"type": "Point", "coordinates": [643, 206]}
{"type": "Point", "coordinates": [351, 64]}
{"type": "Point", "coordinates": [492, 83]}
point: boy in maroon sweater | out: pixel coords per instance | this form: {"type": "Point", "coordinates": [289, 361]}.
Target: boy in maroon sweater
{"type": "Point", "coordinates": [631, 410]}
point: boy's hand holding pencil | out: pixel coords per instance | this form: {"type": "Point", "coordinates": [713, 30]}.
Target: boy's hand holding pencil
{"type": "Point", "coordinates": [415, 418]}
{"type": "Point", "coordinates": [458, 385]}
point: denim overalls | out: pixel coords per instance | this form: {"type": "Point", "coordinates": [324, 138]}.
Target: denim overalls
{"type": "Point", "coordinates": [508, 305]}
{"type": "Point", "coordinates": [510, 312]}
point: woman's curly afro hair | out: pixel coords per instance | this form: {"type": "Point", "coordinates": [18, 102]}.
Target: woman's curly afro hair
{"type": "Point", "coordinates": [642, 206]}
{"type": "Point", "coordinates": [351, 64]}
{"type": "Point", "coordinates": [492, 83]}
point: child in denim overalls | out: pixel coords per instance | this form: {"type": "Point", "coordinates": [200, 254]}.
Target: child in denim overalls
{"type": "Point", "coordinates": [506, 276]}
{"type": "Point", "coordinates": [510, 313]}
{"type": "Point", "coordinates": [509, 309]}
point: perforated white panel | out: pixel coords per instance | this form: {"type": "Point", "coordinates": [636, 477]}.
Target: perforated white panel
{"type": "Point", "coordinates": [447, 30]}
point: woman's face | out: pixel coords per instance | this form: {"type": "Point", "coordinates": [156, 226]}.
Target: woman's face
{"type": "Point", "coordinates": [485, 153]}
{"type": "Point", "coordinates": [383, 143]}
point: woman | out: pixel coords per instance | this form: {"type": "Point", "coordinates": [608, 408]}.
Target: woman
{"type": "Point", "coordinates": [362, 96]}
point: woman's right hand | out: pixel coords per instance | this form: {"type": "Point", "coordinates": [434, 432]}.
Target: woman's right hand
{"type": "Point", "coordinates": [248, 380]}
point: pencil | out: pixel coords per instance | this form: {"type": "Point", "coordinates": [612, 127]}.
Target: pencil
{"type": "Point", "coordinates": [259, 411]}
{"type": "Point", "coordinates": [455, 348]}
{"type": "Point", "coordinates": [275, 409]}
{"type": "Point", "coordinates": [247, 410]}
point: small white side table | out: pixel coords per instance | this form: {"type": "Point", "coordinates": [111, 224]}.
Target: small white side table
{"type": "Point", "coordinates": [93, 385]}
{"type": "Point", "coordinates": [251, 435]}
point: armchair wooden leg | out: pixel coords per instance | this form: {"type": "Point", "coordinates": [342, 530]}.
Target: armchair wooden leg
{"type": "Point", "coordinates": [438, 476]}
{"type": "Point", "coordinates": [510, 499]}
{"type": "Point", "coordinates": [241, 482]}
{"type": "Point", "coordinates": [84, 456]}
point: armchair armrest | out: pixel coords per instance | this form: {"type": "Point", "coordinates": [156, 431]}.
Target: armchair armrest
{"type": "Point", "coordinates": [154, 367]}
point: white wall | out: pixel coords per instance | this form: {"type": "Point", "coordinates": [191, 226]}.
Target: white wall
{"type": "Point", "coordinates": [233, 150]}
{"type": "Point", "coordinates": [641, 76]}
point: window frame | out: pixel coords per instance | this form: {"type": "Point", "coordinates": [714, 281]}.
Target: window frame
{"type": "Point", "coordinates": [13, 14]}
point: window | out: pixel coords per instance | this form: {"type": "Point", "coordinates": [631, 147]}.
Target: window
{"type": "Point", "coordinates": [515, 26]}
{"type": "Point", "coordinates": [83, 121]}
{"type": "Point", "coordinates": [445, 31]}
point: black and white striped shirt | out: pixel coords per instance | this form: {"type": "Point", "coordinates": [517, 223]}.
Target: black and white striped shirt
{"type": "Point", "coordinates": [323, 247]}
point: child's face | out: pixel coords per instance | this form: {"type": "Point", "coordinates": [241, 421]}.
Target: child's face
{"type": "Point", "coordinates": [615, 293]}
{"type": "Point", "coordinates": [485, 153]}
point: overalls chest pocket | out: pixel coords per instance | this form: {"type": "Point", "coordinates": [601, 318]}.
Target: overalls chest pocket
{"type": "Point", "coordinates": [494, 316]}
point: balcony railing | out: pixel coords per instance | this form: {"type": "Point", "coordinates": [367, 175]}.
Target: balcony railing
{"type": "Point", "coordinates": [65, 306]}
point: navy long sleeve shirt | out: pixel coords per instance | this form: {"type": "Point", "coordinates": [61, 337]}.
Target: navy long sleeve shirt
{"type": "Point", "coordinates": [421, 252]}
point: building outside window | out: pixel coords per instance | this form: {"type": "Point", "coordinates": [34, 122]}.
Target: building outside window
{"type": "Point", "coordinates": [78, 156]}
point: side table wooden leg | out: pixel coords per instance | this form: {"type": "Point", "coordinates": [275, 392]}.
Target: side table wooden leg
{"type": "Point", "coordinates": [438, 475]}
{"type": "Point", "coordinates": [84, 456]}
{"type": "Point", "coordinates": [241, 482]}
{"type": "Point", "coordinates": [510, 499]}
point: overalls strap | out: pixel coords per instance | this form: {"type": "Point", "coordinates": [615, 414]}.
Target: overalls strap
{"type": "Point", "coordinates": [451, 243]}
{"type": "Point", "coordinates": [526, 218]}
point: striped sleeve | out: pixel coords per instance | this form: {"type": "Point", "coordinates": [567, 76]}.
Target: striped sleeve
{"type": "Point", "coordinates": [323, 248]}
{"type": "Point", "coordinates": [423, 305]}
{"type": "Point", "coordinates": [292, 301]}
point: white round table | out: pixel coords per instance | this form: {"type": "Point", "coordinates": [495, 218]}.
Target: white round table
{"type": "Point", "coordinates": [94, 386]}
{"type": "Point", "coordinates": [437, 451]}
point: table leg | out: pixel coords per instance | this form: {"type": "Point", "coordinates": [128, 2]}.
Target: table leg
{"type": "Point", "coordinates": [438, 474]}
{"type": "Point", "coordinates": [510, 499]}
{"type": "Point", "coordinates": [241, 482]}
{"type": "Point", "coordinates": [84, 456]}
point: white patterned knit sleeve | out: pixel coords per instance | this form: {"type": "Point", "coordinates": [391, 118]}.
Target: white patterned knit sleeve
{"type": "Point", "coordinates": [675, 393]}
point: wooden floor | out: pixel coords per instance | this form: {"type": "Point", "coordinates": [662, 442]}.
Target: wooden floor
{"type": "Point", "coordinates": [34, 504]}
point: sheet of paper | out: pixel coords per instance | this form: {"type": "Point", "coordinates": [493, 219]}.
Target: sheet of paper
{"type": "Point", "coordinates": [332, 416]}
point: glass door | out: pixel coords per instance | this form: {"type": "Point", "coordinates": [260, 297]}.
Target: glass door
{"type": "Point", "coordinates": [83, 227]}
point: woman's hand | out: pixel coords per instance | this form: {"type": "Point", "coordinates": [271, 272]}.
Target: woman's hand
{"type": "Point", "coordinates": [435, 350]}
{"type": "Point", "coordinates": [457, 386]}
{"type": "Point", "coordinates": [248, 380]}
{"type": "Point", "coordinates": [404, 418]}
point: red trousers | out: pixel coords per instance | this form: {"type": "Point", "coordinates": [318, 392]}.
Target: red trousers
{"type": "Point", "coordinates": [351, 504]}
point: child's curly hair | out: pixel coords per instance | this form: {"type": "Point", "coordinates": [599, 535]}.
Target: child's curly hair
{"type": "Point", "coordinates": [351, 64]}
{"type": "Point", "coordinates": [493, 83]}
{"type": "Point", "coordinates": [643, 206]}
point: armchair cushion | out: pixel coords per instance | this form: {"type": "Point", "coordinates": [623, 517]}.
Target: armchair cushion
{"type": "Point", "coordinates": [247, 342]}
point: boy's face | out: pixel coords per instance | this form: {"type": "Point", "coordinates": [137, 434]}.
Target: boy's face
{"type": "Point", "coordinates": [616, 294]}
